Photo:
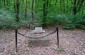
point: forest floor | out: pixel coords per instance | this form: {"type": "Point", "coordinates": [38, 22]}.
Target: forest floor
{"type": "Point", "coordinates": [72, 42]}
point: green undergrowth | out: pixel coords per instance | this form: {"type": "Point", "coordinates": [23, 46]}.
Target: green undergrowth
{"type": "Point", "coordinates": [68, 21]}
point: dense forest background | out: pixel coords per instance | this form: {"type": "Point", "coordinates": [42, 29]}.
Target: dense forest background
{"type": "Point", "coordinates": [69, 14]}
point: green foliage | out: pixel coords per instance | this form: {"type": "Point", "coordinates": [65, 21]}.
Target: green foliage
{"type": "Point", "coordinates": [77, 21]}
{"type": "Point", "coordinates": [59, 12]}
{"type": "Point", "coordinates": [7, 20]}
{"type": "Point", "coordinates": [68, 21]}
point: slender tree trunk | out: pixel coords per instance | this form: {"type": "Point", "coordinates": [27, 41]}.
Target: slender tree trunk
{"type": "Point", "coordinates": [32, 9]}
{"type": "Point", "coordinates": [77, 6]}
{"type": "Point", "coordinates": [36, 6]}
{"type": "Point", "coordinates": [61, 9]}
{"type": "Point", "coordinates": [4, 2]}
{"type": "Point", "coordinates": [26, 9]}
{"type": "Point", "coordinates": [17, 10]}
{"type": "Point", "coordinates": [80, 5]}
{"type": "Point", "coordinates": [47, 7]}
{"type": "Point", "coordinates": [15, 6]}
{"type": "Point", "coordinates": [74, 7]}
{"type": "Point", "coordinates": [67, 7]}
{"type": "Point", "coordinates": [7, 2]}
{"type": "Point", "coordinates": [49, 3]}
{"type": "Point", "coordinates": [44, 13]}
{"type": "Point", "coordinates": [0, 3]}
{"type": "Point", "coordinates": [63, 1]}
{"type": "Point", "coordinates": [56, 2]}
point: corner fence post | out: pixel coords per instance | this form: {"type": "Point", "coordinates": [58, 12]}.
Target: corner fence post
{"type": "Point", "coordinates": [16, 30]}
{"type": "Point", "coordinates": [57, 29]}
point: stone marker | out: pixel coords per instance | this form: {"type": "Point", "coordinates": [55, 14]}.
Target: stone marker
{"type": "Point", "coordinates": [37, 32]}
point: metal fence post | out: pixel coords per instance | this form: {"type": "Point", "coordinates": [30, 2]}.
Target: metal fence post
{"type": "Point", "coordinates": [57, 29]}
{"type": "Point", "coordinates": [16, 39]}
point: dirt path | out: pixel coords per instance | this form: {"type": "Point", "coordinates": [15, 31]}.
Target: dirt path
{"type": "Point", "coordinates": [72, 42]}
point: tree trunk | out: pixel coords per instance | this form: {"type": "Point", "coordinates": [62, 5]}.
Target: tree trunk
{"type": "Point", "coordinates": [56, 2]}
{"type": "Point", "coordinates": [32, 9]}
{"type": "Point", "coordinates": [74, 7]}
{"type": "Point", "coordinates": [44, 13]}
{"type": "Point", "coordinates": [80, 5]}
{"type": "Point", "coordinates": [26, 9]}
{"type": "Point", "coordinates": [4, 2]}
{"type": "Point", "coordinates": [17, 10]}
{"type": "Point", "coordinates": [77, 6]}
